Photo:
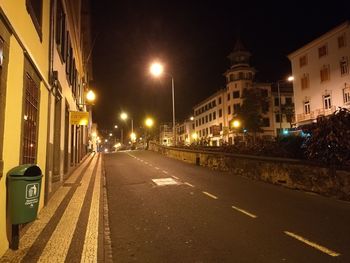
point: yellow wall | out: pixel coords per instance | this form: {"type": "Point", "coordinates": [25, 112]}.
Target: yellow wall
{"type": "Point", "coordinates": [38, 51]}
{"type": "Point", "coordinates": [12, 131]}
{"type": "Point", "coordinates": [16, 12]}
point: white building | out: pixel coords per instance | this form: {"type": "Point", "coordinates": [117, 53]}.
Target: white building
{"type": "Point", "coordinates": [166, 134]}
{"type": "Point", "coordinates": [214, 115]}
{"type": "Point", "coordinates": [184, 132]}
{"type": "Point", "coordinates": [321, 73]}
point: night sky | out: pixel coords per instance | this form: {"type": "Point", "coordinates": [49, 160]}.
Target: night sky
{"type": "Point", "coordinates": [193, 39]}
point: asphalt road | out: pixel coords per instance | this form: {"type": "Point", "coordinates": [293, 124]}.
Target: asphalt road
{"type": "Point", "coordinates": [198, 215]}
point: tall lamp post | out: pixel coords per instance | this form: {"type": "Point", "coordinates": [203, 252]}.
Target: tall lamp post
{"type": "Point", "coordinates": [149, 123]}
{"type": "Point", "coordinates": [289, 79]}
{"type": "Point", "coordinates": [157, 69]}
{"type": "Point", "coordinates": [124, 117]}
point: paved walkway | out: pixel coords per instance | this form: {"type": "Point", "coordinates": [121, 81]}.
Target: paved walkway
{"type": "Point", "coordinates": [73, 227]}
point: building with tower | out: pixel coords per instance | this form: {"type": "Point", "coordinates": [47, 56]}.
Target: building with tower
{"type": "Point", "coordinates": [214, 116]}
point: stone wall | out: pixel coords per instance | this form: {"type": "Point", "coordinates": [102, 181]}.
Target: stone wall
{"type": "Point", "coordinates": [295, 174]}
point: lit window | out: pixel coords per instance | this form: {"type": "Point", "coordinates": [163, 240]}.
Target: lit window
{"type": "Point", "coordinates": [344, 66]}
{"type": "Point", "coordinates": [327, 102]}
{"type": "Point", "coordinates": [307, 107]}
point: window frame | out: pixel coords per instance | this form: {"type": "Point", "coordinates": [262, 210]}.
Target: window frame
{"type": "Point", "coordinates": [327, 101]}
{"type": "Point", "coordinates": [37, 24]}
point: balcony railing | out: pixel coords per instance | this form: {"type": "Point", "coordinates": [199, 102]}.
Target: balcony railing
{"type": "Point", "coordinates": [314, 114]}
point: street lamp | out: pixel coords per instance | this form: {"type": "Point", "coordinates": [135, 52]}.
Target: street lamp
{"type": "Point", "coordinates": [149, 123]}
{"type": "Point", "coordinates": [157, 69]}
{"type": "Point", "coordinates": [90, 96]}
{"type": "Point", "coordinates": [289, 79]}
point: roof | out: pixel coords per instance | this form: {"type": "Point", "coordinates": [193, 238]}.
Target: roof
{"type": "Point", "coordinates": [317, 41]}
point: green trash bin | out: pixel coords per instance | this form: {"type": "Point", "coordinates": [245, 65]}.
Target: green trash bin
{"type": "Point", "coordinates": [24, 185]}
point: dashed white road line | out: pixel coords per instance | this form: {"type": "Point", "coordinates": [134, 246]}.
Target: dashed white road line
{"type": "Point", "coordinates": [188, 184]}
{"type": "Point", "coordinates": [146, 162]}
{"type": "Point", "coordinates": [157, 168]}
{"type": "Point", "coordinates": [175, 177]}
{"type": "Point", "coordinates": [244, 212]}
{"type": "Point", "coordinates": [210, 195]}
{"type": "Point", "coordinates": [165, 172]}
{"type": "Point", "coordinates": [312, 244]}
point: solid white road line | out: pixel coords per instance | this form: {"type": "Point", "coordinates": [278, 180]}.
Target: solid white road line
{"type": "Point", "coordinates": [210, 195]}
{"type": "Point", "coordinates": [312, 244]}
{"type": "Point", "coordinates": [188, 184]}
{"type": "Point", "coordinates": [244, 212]}
{"type": "Point", "coordinates": [175, 177]}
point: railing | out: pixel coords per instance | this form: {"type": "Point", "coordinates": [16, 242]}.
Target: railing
{"type": "Point", "coordinates": [314, 114]}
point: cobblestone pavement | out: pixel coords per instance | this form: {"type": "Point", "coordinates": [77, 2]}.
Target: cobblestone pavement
{"type": "Point", "coordinates": [72, 227]}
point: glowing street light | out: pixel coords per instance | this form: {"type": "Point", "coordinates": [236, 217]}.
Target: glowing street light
{"type": "Point", "coordinates": [191, 118]}
{"type": "Point", "coordinates": [123, 116]}
{"type": "Point", "coordinates": [149, 122]}
{"type": "Point", "coordinates": [194, 136]}
{"type": "Point", "coordinates": [133, 137]}
{"type": "Point", "coordinates": [289, 79]}
{"type": "Point", "coordinates": [157, 69]}
{"type": "Point", "coordinates": [236, 124]}
{"type": "Point", "coordinates": [90, 96]}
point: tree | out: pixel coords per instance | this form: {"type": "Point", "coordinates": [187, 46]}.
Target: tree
{"type": "Point", "coordinates": [255, 103]}
{"type": "Point", "coordinates": [329, 142]}
{"type": "Point", "coordinates": [288, 110]}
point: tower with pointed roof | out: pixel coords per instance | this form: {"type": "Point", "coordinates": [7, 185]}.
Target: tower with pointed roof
{"type": "Point", "coordinates": [240, 75]}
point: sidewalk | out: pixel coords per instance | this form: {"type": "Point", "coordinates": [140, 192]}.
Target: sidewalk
{"type": "Point", "coordinates": [73, 227]}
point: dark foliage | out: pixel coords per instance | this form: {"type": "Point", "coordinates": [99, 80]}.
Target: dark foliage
{"type": "Point", "coordinates": [254, 104]}
{"type": "Point", "coordinates": [329, 142]}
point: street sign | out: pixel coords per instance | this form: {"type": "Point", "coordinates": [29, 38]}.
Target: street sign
{"type": "Point", "coordinates": [79, 118]}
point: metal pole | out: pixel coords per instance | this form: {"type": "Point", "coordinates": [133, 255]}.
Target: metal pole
{"type": "Point", "coordinates": [121, 136]}
{"type": "Point", "coordinates": [279, 106]}
{"type": "Point", "coordinates": [173, 96]}
{"type": "Point", "coordinates": [132, 126]}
